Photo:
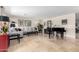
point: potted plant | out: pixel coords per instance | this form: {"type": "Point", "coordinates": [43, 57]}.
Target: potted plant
{"type": "Point", "coordinates": [5, 28]}
{"type": "Point", "coordinates": [40, 27]}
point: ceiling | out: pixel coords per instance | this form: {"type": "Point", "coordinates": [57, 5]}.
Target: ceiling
{"type": "Point", "coordinates": [40, 10]}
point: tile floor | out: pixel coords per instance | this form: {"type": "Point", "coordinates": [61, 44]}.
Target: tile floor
{"type": "Point", "coordinates": [40, 43]}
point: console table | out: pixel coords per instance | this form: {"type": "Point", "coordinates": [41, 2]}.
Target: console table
{"type": "Point", "coordinates": [4, 42]}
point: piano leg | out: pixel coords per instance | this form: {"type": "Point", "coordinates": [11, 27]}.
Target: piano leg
{"type": "Point", "coordinates": [53, 34]}
{"type": "Point", "coordinates": [57, 36]}
{"type": "Point", "coordinates": [49, 35]}
{"type": "Point", "coordinates": [62, 35]}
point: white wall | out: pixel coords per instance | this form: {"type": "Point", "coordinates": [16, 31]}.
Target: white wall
{"type": "Point", "coordinates": [70, 27]}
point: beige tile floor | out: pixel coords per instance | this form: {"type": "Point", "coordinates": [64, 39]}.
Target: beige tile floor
{"type": "Point", "coordinates": [40, 43]}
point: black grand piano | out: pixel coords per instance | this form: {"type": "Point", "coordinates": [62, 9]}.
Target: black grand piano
{"type": "Point", "coordinates": [58, 30]}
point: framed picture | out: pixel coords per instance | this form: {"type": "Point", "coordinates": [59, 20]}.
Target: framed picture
{"type": "Point", "coordinates": [64, 21]}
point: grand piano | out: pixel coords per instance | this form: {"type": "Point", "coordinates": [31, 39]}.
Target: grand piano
{"type": "Point", "coordinates": [58, 30]}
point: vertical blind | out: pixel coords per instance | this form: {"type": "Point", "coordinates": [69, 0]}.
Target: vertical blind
{"type": "Point", "coordinates": [24, 22]}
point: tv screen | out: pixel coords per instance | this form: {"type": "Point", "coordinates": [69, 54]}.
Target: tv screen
{"type": "Point", "coordinates": [4, 18]}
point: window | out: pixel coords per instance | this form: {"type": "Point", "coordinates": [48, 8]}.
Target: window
{"type": "Point", "coordinates": [49, 23]}
{"type": "Point", "coordinates": [28, 22]}
{"type": "Point", "coordinates": [24, 22]}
